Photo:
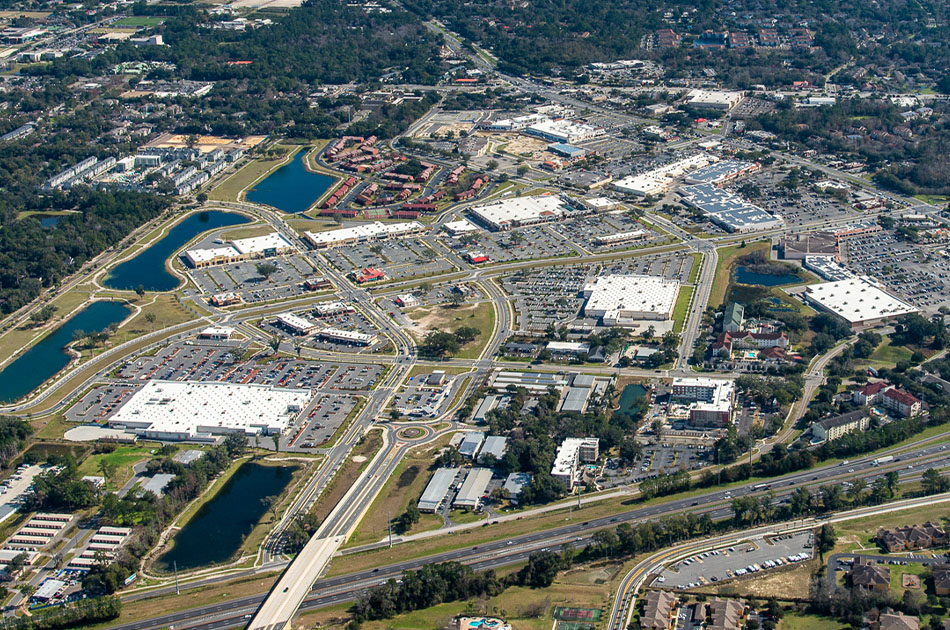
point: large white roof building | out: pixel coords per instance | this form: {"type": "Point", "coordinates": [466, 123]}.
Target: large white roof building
{"type": "Point", "coordinates": [273, 244]}
{"type": "Point", "coordinates": [621, 299]}
{"type": "Point", "coordinates": [365, 233]}
{"type": "Point", "coordinates": [713, 99]}
{"type": "Point", "coordinates": [173, 410]}
{"type": "Point", "coordinates": [519, 211]}
{"type": "Point", "coordinates": [661, 179]}
{"type": "Point", "coordinates": [859, 300]}
{"type": "Point", "coordinates": [564, 131]}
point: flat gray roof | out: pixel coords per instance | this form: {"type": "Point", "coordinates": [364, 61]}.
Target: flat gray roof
{"type": "Point", "coordinates": [494, 445]}
{"type": "Point", "coordinates": [576, 399]}
{"type": "Point", "coordinates": [186, 457]}
{"type": "Point", "coordinates": [515, 482]}
{"type": "Point", "coordinates": [156, 484]}
{"type": "Point", "coordinates": [474, 486]}
{"type": "Point", "coordinates": [437, 488]}
{"type": "Point", "coordinates": [470, 443]}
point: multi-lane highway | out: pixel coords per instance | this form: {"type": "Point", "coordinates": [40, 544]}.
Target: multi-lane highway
{"type": "Point", "coordinates": [911, 460]}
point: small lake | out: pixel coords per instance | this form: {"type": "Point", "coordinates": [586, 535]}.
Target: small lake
{"type": "Point", "coordinates": [291, 188]}
{"type": "Point", "coordinates": [629, 397]}
{"type": "Point", "coordinates": [746, 276]}
{"type": "Point", "coordinates": [148, 268]}
{"type": "Point", "coordinates": [217, 531]}
{"type": "Point", "coordinates": [43, 360]}
{"type": "Point", "coordinates": [49, 221]}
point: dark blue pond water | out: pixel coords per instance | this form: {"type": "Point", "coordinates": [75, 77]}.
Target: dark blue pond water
{"type": "Point", "coordinates": [218, 529]}
{"type": "Point", "coordinates": [629, 397]}
{"type": "Point", "coordinates": [745, 276]}
{"type": "Point", "coordinates": [148, 268]}
{"type": "Point", "coordinates": [32, 368]}
{"type": "Point", "coordinates": [50, 221]}
{"type": "Point", "coordinates": [291, 188]}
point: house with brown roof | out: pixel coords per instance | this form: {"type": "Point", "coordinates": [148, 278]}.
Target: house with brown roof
{"type": "Point", "coordinates": [942, 580]}
{"type": "Point", "coordinates": [867, 575]}
{"type": "Point", "coordinates": [911, 538]}
{"type": "Point", "coordinates": [896, 621]}
{"type": "Point", "coordinates": [658, 611]}
{"type": "Point", "coordinates": [725, 614]}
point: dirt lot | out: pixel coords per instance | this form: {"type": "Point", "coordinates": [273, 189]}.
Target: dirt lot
{"type": "Point", "coordinates": [793, 582]}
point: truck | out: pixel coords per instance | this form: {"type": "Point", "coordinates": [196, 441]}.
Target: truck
{"type": "Point", "coordinates": [882, 460]}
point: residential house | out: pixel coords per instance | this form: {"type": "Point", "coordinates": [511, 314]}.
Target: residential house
{"type": "Point", "coordinates": [911, 538]}
{"type": "Point", "coordinates": [867, 575]}
{"type": "Point", "coordinates": [896, 621]}
{"type": "Point", "coordinates": [725, 614]}
{"type": "Point", "coordinates": [942, 580]}
{"type": "Point", "coordinates": [658, 611]}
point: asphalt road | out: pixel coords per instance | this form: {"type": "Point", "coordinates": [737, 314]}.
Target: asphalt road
{"type": "Point", "coordinates": [499, 553]}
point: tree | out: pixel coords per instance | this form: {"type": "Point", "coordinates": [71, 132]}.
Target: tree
{"type": "Point", "coordinates": [825, 540]}
{"type": "Point", "coordinates": [274, 344]}
{"type": "Point", "coordinates": [140, 290]}
{"type": "Point", "coordinates": [523, 170]}
{"type": "Point", "coordinates": [150, 318]}
{"type": "Point", "coordinates": [438, 344]}
{"type": "Point", "coordinates": [107, 469]}
{"type": "Point", "coordinates": [933, 482]}
{"type": "Point", "coordinates": [492, 165]}
{"type": "Point", "coordinates": [44, 314]}
{"type": "Point", "coordinates": [541, 569]}
{"type": "Point", "coordinates": [265, 269]}
{"type": "Point", "coordinates": [465, 334]}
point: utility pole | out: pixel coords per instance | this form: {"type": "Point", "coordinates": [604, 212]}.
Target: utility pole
{"type": "Point", "coordinates": [177, 589]}
{"type": "Point", "coordinates": [390, 515]}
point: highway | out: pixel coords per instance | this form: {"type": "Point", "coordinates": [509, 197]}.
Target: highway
{"type": "Point", "coordinates": [932, 452]}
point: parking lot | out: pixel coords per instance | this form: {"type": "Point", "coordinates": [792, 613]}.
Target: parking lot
{"type": "Point", "coordinates": [919, 274]}
{"type": "Point", "coordinates": [351, 322]}
{"type": "Point", "coordinates": [796, 205]}
{"type": "Point", "coordinates": [325, 415]}
{"type": "Point", "coordinates": [670, 267]}
{"type": "Point", "coordinates": [399, 259]}
{"type": "Point", "coordinates": [522, 244]}
{"type": "Point", "coordinates": [99, 403]}
{"type": "Point", "coordinates": [758, 554]}
{"type": "Point", "coordinates": [584, 231]}
{"type": "Point", "coordinates": [544, 297]}
{"type": "Point", "coordinates": [13, 489]}
{"type": "Point", "coordinates": [243, 278]}
{"type": "Point", "coordinates": [200, 362]}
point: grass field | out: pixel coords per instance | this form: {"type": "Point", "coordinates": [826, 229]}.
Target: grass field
{"type": "Point", "coordinates": [347, 475]}
{"type": "Point", "coordinates": [887, 355]}
{"type": "Point", "coordinates": [524, 608]}
{"type": "Point", "coordinates": [122, 458]}
{"type": "Point", "coordinates": [727, 260]}
{"type": "Point", "coordinates": [231, 188]}
{"type": "Point", "coordinates": [800, 621]}
{"type": "Point", "coordinates": [404, 486]}
{"type": "Point", "coordinates": [448, 318]}
{"type": "Point", "coordinates": [681, 309]}
{"type": "Point", "coordinates": [247, 232]}
{"type": "Point", "coordinates": [301, 225]}
{"type": "Point", "coordinates": [143, 21]}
